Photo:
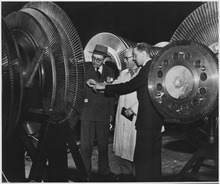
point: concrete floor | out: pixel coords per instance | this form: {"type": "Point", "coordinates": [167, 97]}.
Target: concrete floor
{"type": "Point", "coordinates": [176, 152]}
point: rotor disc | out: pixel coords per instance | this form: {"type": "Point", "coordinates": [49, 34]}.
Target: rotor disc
{"type": "Point", "coordinates": [200, 26]}
{"type": "Point", "coordinates": [58, 55]}
{"type": "Point", "coordinates": [22, 24]}
{"type": "Point", "coordinates": [74, 66]}
{"type": "Point", "coordinates": [12, 82]}
{"type": "Point", "coordinates": [183, 81]}
{"type": "Point", "coordinates": [116, 47]}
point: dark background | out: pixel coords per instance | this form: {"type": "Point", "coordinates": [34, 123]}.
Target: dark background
{"type": "Point", "coordinates": [150, 22]}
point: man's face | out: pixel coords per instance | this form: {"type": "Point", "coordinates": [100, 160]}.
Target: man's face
{"type": "Point", "coordinates": [128, 59]}
{"type": "Point", "coordinates": [138, 57]}
{"type": "Point", "coordinates": [97, 60]}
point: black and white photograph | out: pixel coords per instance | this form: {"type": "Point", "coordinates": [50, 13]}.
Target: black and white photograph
{"type": "Point", "coordinates": [110, 91]}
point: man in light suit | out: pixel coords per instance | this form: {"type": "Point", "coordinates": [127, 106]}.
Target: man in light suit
{"type": "Point", "coordinates": [125, 132]}
{"type": "Point", "coordinates": [147, 157]}
{"type": "Point", "coordinates": [97, 113]}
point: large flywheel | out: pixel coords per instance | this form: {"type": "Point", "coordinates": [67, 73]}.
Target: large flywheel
{"type": "Point", "coordinates": [183, 81]}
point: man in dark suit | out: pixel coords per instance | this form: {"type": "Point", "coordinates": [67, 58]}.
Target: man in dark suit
{"type": "Point", "coordinates": [97, 113]}
{"type": "Point", "coordinates": [147, 157]}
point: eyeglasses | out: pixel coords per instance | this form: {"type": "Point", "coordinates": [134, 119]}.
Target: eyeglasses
{"type": "Point", "coordinates": [97, 59]}
{"type": "Point", "coordinates": [126, 58]}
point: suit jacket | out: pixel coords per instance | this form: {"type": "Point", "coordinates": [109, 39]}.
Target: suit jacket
{"type": "Point", "coordinates": [97, 107]}
{"type": "Point", "coordinates": [147, 116]}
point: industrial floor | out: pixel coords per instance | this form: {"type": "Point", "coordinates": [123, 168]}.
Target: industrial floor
{"type": "Point", "coordinates": [176, 152]}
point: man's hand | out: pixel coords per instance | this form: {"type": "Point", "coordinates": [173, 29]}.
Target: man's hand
{"type": "Point", "coordinates": [91, 82]}
{"type": "Point", "coordinates": [95, 85]}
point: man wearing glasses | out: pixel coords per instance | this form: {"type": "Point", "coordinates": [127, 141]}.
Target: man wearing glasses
{"type": "Point", "coordinates": [98, 111]}
{"type": "Point", "coordinates": [147, 157]}
{"type": "Point", "coordinates": [126, 115]}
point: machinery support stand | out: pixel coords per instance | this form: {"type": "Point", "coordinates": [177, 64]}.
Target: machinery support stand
{"type": "Point", "coordinates": [207, 150]}
{"type": "Point", "coordinates": [52, 149]}
{"type": "Point", "coordinates": [197, 161]}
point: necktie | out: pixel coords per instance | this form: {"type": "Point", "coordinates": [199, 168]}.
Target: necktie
{"type": "Point", "coordinates": [132, 73]}
{"type": "Point", "coordinates": [98, 72]}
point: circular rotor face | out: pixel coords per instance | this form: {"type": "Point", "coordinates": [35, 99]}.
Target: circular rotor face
{"type": "Point", "coordinates": [116, 47]}
{"type": "Point", "coordinates": [12, 82]}
{"type": "Point", "coordinates": [179, 82]}
{"type": "Point", "coordinates": [200, 26]}
{"type": "Point", "coordinates": [183, 81]}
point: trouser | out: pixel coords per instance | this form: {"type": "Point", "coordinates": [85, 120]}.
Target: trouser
{"type": "Point", "coordinates": [57, 154]}
{"type": "Point", "coordinates": [13, 165]}
{"type": "Point", "coordinates": [88, 130]}
{"type": "Point", "coordinates": [147, 156]}
{"type": "Point", "coordinates": [126, 166]}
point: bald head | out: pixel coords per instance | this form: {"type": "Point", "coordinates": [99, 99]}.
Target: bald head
{"type": "Point", "coordinates": [128, 59]}
{"type": "Point", "coordinates": [129, 51]}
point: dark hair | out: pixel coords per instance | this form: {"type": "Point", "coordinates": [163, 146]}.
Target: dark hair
{"type": "Point", "coordinates": [143, 47]}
